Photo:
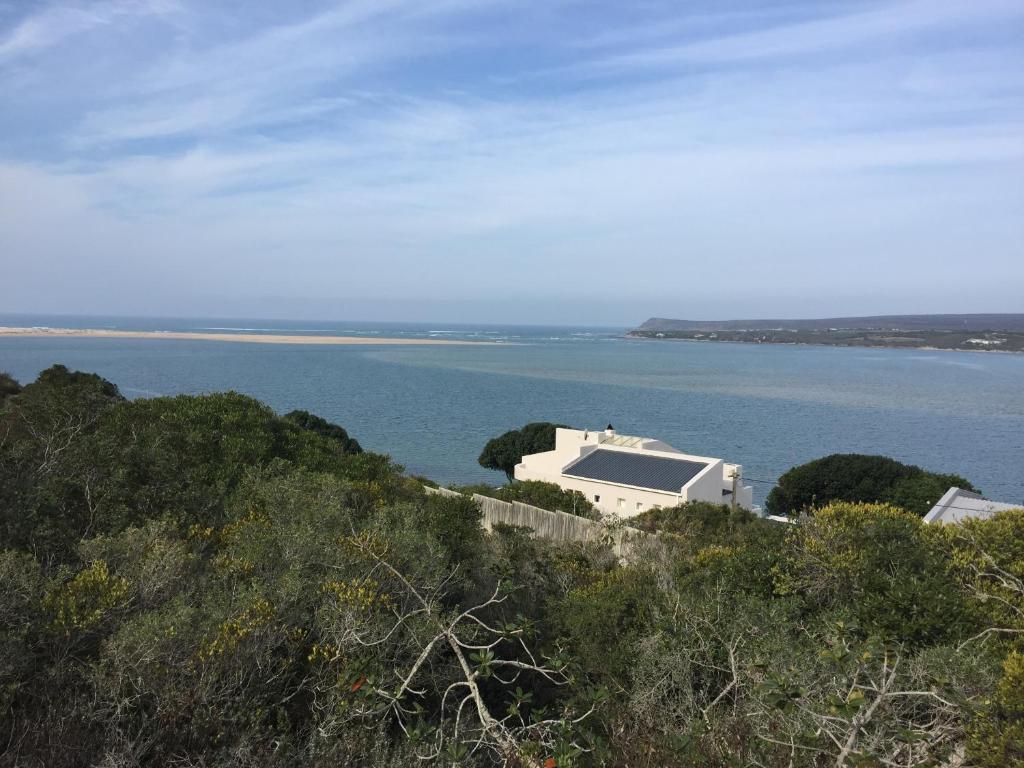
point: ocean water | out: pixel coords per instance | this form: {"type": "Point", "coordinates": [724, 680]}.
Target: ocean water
{"type": "Point", "coordinates": [433, 408]}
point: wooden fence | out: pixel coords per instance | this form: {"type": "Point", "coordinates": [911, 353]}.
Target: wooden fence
{"type": "Point", "coordinates": [548, 524]}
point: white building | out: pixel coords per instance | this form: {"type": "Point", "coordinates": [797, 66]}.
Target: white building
{"type": "Point", "coordinates": [625, 476]}
{"type": "Point", "coordinates": [958, 504]}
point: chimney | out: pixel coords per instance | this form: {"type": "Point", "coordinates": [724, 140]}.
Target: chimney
{"type": "Point", "coordinates": [609, 431]}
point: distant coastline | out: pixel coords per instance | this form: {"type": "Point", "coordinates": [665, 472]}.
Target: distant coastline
{"type": "Point", "coordinates": [250, 338]}
{"type": "Point", "coordinates": [960, 333]}
{"type": "Point", "coordinates": [989, 350]}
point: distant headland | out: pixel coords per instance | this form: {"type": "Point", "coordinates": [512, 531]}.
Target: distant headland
{"type": "Point", "coordinates": [252, 338]}
{"type": "Point", "coordinates": [985, 332]}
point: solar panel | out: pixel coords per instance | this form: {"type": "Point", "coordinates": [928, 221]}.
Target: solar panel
{"type": "Point", "coordinates": [656, 472]}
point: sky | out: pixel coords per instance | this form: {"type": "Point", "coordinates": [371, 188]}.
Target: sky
{"type": "Point", "coordinates": [554, 161]}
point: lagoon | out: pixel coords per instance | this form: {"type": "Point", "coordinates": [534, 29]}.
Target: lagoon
{"type": "Point", "coordinates": [433, 407]}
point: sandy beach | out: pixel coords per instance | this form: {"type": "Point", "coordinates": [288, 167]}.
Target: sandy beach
{"type": "Point", "coordinates": [253, 338]}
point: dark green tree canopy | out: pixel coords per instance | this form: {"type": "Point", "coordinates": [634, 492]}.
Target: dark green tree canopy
{"type": "Point", "coordinates": [58, 377]}
{"type": "Point", "coordinates": [504, 452]}
{"type": "Point", "coordinates": [859, 478]}
{"type": "Point", "coordinates": [8, 386]}
{"type": "Point", "coordinates": [80, 459]}
{"type": "Point", "coordinates": [324, 428]}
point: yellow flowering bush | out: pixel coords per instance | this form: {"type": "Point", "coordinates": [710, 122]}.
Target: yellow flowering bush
{"type": "Point", "coordinates": [363, 595]}
{"type": "Point", "coordinates": [235, 630]}
{"type": "Point", "coordinates": [82, 602]}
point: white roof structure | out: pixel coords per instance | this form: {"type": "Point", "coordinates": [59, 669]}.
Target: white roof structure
{"type": "Point", "coordinates": [958, 504]}
{"type": "Point", "coordinates": [625, 474]}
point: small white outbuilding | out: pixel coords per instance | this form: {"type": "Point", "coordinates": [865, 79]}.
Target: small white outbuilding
{"type": "Point", "coordinates": [624, 476]}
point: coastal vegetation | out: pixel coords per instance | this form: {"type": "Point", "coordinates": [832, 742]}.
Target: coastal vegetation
{"type": "Point", "coordinates": [856, 477]}
{"type": "Point", "coordinates": [324, 428]}
{"type": "Point", "coordinates": [997, 332]}
{"type": "Point", "coordinates": [197, 581]}
{"type": "Point", "coordinates": [502, 453]}
{"type": "Point", "coordinates": [538, 494]}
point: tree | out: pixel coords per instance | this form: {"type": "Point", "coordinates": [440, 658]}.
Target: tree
{"type": "Point", "coordinates": [856, 477]}
{"type": "Point", "coordinates": [324, 428]}
{"type": "Point", "coordinates": [504, 452]}
{"type": "Point", "coordinates": [8, 386]}
{"type": "Point", "coordinates": [45, 460]}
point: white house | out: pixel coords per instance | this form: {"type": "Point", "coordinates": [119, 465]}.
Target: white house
{"type": "Point", "coordinates": [625, 476]}
{"type": "Point", "coordinates": [958, 504]}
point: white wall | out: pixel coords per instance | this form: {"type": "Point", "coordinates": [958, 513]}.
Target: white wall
{"type": "Point", "coordinates": [571, 444]}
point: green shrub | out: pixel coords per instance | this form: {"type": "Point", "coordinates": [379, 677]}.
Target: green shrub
{"type": "Point", "coordinates": [880, 564]}
{"type": "Point", "coordinates": [538, 494]}
{"type": "Point", "coordinates": [858, 478]}
{"type": "Point", "coordinates": [996, 737]}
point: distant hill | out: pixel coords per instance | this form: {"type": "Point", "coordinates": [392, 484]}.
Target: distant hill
{"type": "Point", "coordinates": [963, 323]}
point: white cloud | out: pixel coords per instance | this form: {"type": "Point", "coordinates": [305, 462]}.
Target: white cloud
{"type": "Point", "coordinates": [60, 21]}
{"type": "Point", "coordinates": [372, 149]}
{"type": "Point", "coordinates": [860, 29]}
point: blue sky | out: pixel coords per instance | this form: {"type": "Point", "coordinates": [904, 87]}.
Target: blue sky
{"type": "Point", "coordinates": [484, 160]}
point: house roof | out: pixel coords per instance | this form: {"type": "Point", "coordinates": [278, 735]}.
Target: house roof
{"type": "Point", "coordinates": [660, 473]}
{"type": "Point", "coordinates": [958, 504]}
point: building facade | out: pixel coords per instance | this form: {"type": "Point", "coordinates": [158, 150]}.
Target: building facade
{"type": "Point", "coordinates": [624, 476]}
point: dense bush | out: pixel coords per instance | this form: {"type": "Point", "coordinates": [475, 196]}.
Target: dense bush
{"type": "Point", "coordinates": [324, 428]}
{"type": "Point", "coordinates": [880, 565]}
{"type": "Point", "coordinates": [859, 478]}
{"type": "Point", "coordinates": [8, 386]}
{"type": "Point", "coordinates": [195, 581]}
{"type": "Point", "coordinates": [538, 494]}
{"type": "Point", "coordinates": [692, 518]}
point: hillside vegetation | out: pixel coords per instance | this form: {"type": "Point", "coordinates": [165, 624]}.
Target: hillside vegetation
{"type": "Point", "coordinates": [1004, 333]}
{"type": "Point", "coordinates": [196, 581]}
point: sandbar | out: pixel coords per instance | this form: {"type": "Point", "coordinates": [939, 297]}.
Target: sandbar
{"type": "Point", "coordinates": [252, 338]}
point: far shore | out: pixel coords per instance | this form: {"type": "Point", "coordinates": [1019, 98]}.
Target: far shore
{"type": "Point", "coordinates": [252, 338]}
{"type": "Point", "coordinates": [906, 347]}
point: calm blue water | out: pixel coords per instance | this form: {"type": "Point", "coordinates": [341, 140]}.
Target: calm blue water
{"type": "Point", "coordinates": [433, 408]}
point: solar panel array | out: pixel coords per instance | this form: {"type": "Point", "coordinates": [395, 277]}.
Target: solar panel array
{"type": "Point", "coordinates": [656, 472]}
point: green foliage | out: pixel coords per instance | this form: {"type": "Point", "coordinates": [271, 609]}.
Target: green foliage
{"type": "Point", "coordinates": [504, 452]}
{"type": "Point", "coordinates": [47, 468]}
{"type": "Point", "coordinates": [9, 387]}
{"type": "Point", "coordinates": [858, 478]}
{"type": "Point", "coordinates": [692, 518]}
{"type": "Point", "coordinates": [324, 428]}
{"type": "Point", "coordinates": [21, 619]}
{"type": "Point", "coordinates": [987, 556]}
{"type": "Point", "coordinates": [538, 494]}
{"type": "Point", "coordinates": [996, 736]}
{"type": "Point", "coordinates": [83, 460]}
{"type": "Point", "coordinates": [197, 579]}
{"type": "Point", "coordinates": [880, 564]}
{"type": "Point", "coordinates": [603, 620]}
{"type": "Point", "coordinates": [455, 521]}
{"type": "Point", "coordinates": [59, 379]}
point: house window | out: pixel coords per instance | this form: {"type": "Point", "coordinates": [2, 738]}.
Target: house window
{"type": "Point", "coordinates": [639, 506]}
{"type": "Point", "coordinates": [620, 503]}
{"type": "Point", "coordinates": [597, 497]}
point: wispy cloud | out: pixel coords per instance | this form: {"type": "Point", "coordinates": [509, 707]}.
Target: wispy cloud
{"type": "Point", "coordinates": [393, 146]}
{"type": "Point", "coordinates": [60, 21]}
{"type": "Point", "coordinates": [860, 30]}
